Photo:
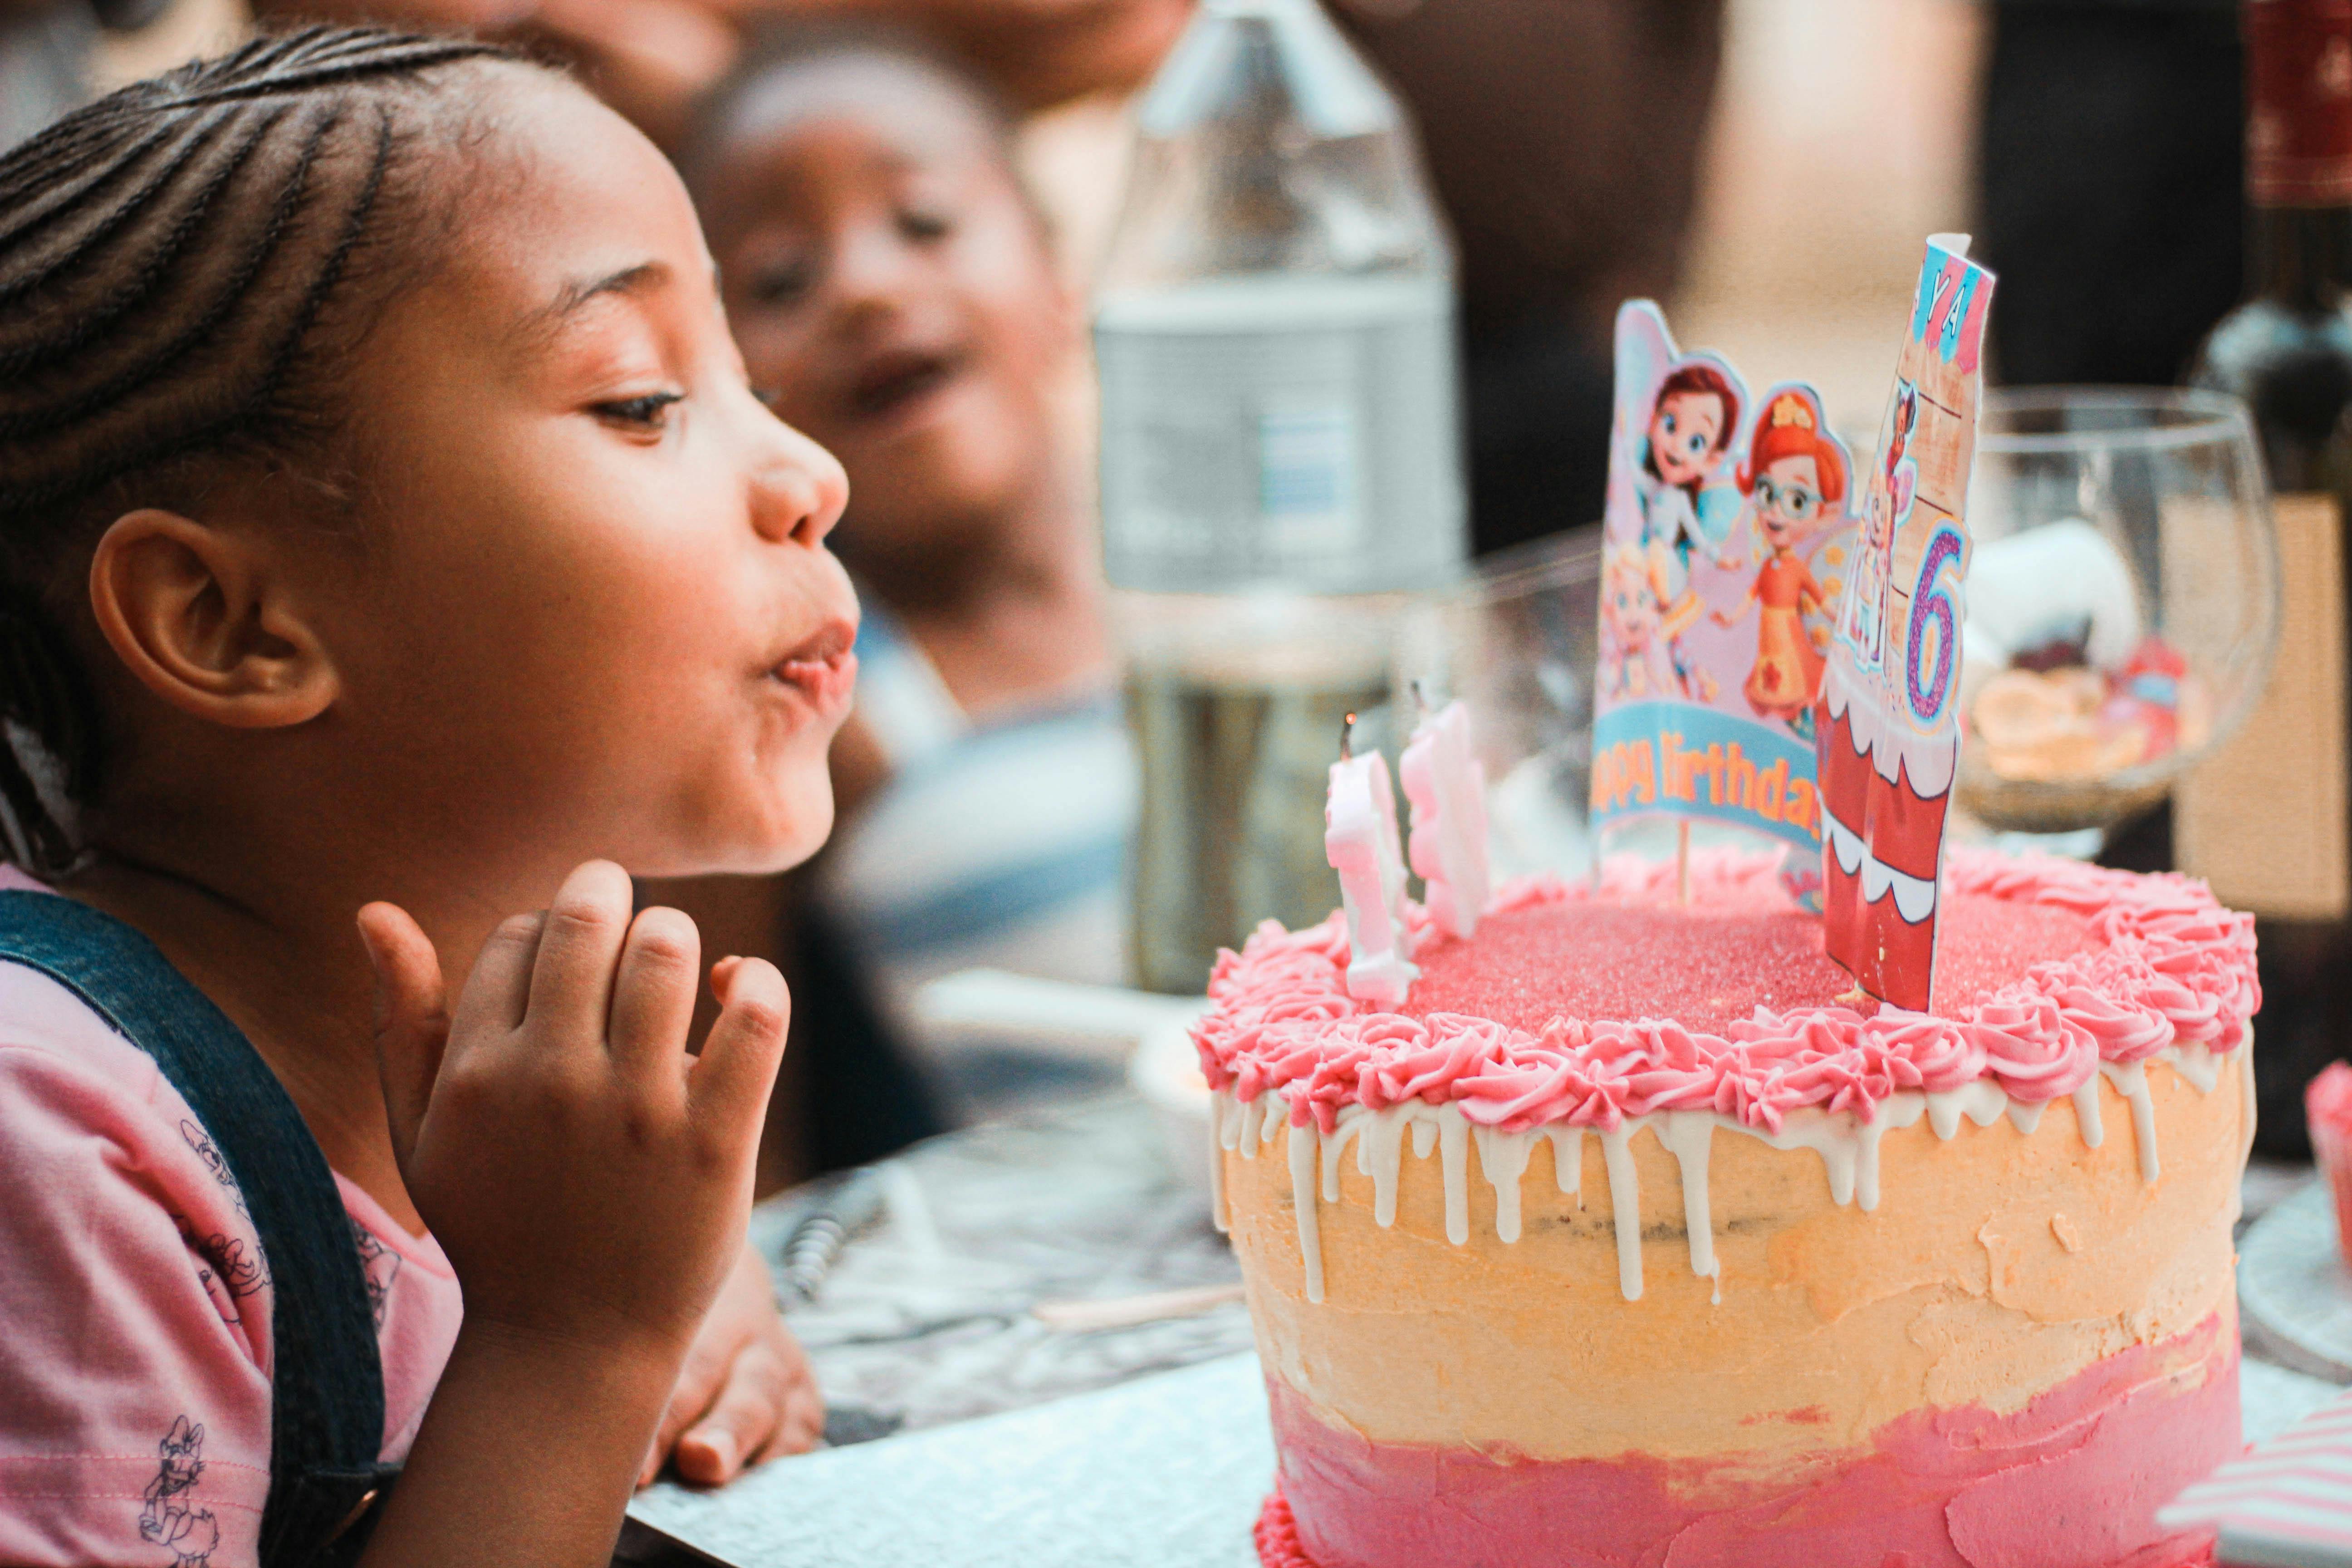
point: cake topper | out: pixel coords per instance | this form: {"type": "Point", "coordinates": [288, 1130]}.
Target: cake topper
{"type": "Point", "coordinates": [1360, 840]}
{"type": "Point", "coordinates": [1726, 536]}
{"type": "Point", "coordinates": [1888, 731]}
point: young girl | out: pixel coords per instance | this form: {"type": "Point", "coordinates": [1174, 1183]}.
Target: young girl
{"type": "Point", "coordinates": [887, 273]}
{"type": "Point", "coordinates": [390, 532]}
{"type": "Point", "coordinates": [1794, 478]}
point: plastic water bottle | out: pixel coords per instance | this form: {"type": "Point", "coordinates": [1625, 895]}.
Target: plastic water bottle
{"type": "Point", "coordinates": [1281, 454]}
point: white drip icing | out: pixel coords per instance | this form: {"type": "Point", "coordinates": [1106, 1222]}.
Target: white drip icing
{"type": "Point", "coordinates": [1624, 1207]}
{"type": "Point", "coordinates": [1246, 1131]}
{"type": "Point", "coordinates": [1379, 1155]}
{"type": "Point", "coordinates": [2086, 1113]}
{"type": "Point", "coordinates": [2246, 1102]}
{"type": "Point", "coordinates": [1302, 1188]}
{"type": "Point", "coordinates": [1217, 1147]}
{"type": "Point", "coordinates": [1504, 1157]}
{"type": "Point", "coordinates": [2196, 1064]}
{"type": "Point", "coordinates": [1848, 1146]}
{"type": "Point", "coordinates": [2130, 1079]}
{"type": "Point", "coordinates": [1568, 1160]}
{"type": "Point", "coordinates": [1982, 1102]}
{"type": "Point", "coordinates": [1453, 1146]}
{"type": "Point", "coordinates": [1688, 1135]}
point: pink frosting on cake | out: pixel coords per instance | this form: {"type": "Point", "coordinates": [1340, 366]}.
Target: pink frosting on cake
{"type": "Point", "coordinates": [2071, 1480]}
{"type": "Point", "coordinates": [2049, 968]}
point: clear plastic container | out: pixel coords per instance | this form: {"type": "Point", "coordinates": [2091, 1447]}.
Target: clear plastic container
{"type": "Point", "coordinates": [1281, 454]}
{"type": "Point", "coordinates": [1274, 326]}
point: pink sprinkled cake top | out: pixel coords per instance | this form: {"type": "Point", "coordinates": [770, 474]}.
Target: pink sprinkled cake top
{"type": "Point", "coordinates": [1708, 968]}
{"type": "Point", "coordinates": [1590, 1004]}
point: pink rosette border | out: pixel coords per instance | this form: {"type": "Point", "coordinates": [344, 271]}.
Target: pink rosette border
{"type": "Point", "coordinates": [2168, 966]}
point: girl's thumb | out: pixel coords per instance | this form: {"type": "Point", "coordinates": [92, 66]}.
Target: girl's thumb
{"type": "Point", "coordinates": [412, 1019]}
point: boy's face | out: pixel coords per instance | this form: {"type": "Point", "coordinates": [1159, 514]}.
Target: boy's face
{"type": "Point", "coordinates": [892, 288]}
{"type": "Point", "coordinates": [595, 613]}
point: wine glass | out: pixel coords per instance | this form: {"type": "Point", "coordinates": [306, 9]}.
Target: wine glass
{"type": "Point", "coordinates": [2122, 600]}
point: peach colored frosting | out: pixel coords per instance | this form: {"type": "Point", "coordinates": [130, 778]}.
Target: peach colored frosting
{"type": "Point", "coordinates": [2165, 965]}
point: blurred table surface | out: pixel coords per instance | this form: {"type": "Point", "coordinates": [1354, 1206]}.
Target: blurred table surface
{"type": "Point", "coordinates": [1016, 1443]}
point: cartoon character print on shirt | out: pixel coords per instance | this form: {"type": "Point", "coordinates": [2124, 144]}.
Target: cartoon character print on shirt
{"type": "Point", "coordinates": [380, 1265]}
{"type": "Point", "coordinates": [232, 1269]}
{"type": "Point", "coordinates": [206, 1150]}
{"type": "Point", "coordinates": [169, 1518]}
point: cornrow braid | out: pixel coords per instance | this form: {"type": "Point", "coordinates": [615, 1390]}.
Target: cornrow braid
{"type": "Point", "coordinates": [168, 257]}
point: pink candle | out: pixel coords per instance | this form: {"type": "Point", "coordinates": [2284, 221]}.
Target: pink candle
{"type": "Point", "coordinates": [1361, 839]}
{"type": "Point", "coordinates": [1447, 787]}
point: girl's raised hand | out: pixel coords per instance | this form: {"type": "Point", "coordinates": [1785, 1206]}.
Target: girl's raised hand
{"type": "Point", "coordinates": [588, 1177]}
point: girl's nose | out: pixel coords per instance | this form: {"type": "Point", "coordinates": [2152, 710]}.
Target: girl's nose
{"type": "Point", "coordinates": [798, 489]}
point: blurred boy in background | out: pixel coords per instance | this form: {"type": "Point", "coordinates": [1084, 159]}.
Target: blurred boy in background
{"type": "Point", "coordinates": [893, 286]}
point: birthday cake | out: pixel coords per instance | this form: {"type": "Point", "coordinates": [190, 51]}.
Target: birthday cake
{"type": "Point", "coordinates": [1623, 1238]}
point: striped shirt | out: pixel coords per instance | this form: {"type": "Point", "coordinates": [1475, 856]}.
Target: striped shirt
{"type": "Point", "coordinates": [1001, 843]}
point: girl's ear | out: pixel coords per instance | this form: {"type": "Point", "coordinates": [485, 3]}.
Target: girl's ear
{"type": "Point", "coordinates": [208, 622]}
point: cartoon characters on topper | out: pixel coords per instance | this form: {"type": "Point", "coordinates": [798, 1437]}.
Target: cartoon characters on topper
{"type": "Point", "coordinates": [1686, 502]}
{"type": "Point", "coordinates": [1724, 551]}
{"type": "Point", "coordinates": [1795, 479]}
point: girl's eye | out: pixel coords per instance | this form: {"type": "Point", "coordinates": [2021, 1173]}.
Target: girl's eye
{"type": "Point", "coordinates": [1698, 442]}
{"type": "Point", "coordinates": [924, 224]}
{"type": "Point", "coordinates": [1667, 423]}
{"type": "Point", "coordinates": [783, 284]}
{"type": "Point", "coordinates": [650, 412]}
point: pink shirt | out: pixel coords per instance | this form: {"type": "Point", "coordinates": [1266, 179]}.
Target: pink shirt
{"type": "Point", "coordinates": [134, 1306]}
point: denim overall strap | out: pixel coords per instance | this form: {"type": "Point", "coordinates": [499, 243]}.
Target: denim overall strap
{"type": "Point", "coordinates": [326, 1376]}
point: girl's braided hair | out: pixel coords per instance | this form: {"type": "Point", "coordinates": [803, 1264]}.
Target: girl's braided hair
{"type": "Point", "coordinates": [172, 261]}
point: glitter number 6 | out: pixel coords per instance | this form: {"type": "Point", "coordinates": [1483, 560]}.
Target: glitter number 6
{"type": "Point", "coordinates": [1936, 600]}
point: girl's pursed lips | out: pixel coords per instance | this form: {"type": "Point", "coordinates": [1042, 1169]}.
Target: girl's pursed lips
{"type": "Point", "coordinates": [823, 667]}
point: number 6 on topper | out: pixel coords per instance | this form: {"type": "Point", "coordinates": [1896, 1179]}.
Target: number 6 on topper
{"type": "Point", "coordinates": [1935, 627]}
{"type": "Point", "coordinates": [1886, 728]}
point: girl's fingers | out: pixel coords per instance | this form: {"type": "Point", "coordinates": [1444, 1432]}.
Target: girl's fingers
{"type": "Point", "coordinates": [747, 1412]}
{"type": "Point", "coordinates": [804, 1419]}
{"type": "Point", "coordinates": [497, 992]}
{"type": "Point", "coordinates": [698, 1381]}
{"type": "Point", "coordinates": [722, 977]}
{"type": "Point", "coordinates": [653, 995]}
{"type": "Point", "coordinates": [803, 1426]}
{"type": "Point", "coordinates": [572, 978]}
{"type": "Point", "coordinates": [412, 1019]}
{"type": "Point", "coordinates": [737, 1070]}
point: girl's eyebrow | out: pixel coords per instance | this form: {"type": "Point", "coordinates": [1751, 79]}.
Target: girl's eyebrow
{"type": "Point", "coordinates": [629, 281]}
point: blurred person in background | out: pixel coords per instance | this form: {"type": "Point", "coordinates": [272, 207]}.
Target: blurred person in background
{"type": "Point", "coordinates": [46, 49]}
{"type": "Point", "coordinates": [1563, 138]}
{"type": "Point", "coordinates": [652, 60]}
{"type": "Point", "coordinates": [1564, 143]}
{"type": "Point", "coordinates": [893, 285]}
